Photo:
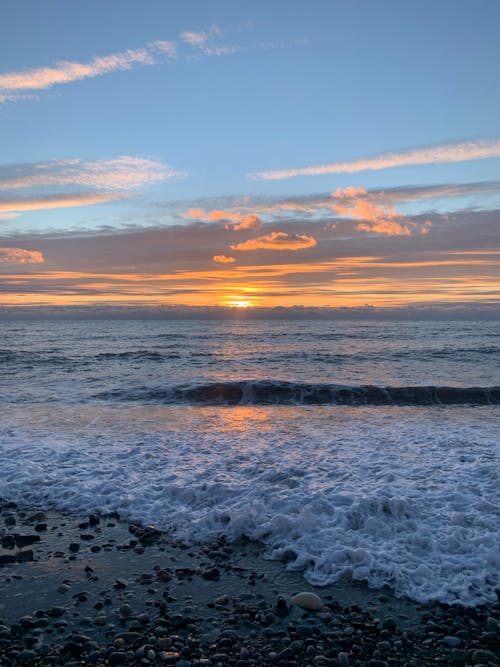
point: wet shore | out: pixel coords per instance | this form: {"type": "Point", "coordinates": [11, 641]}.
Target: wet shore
{"type": "Point", "coordinates": [98, 590]}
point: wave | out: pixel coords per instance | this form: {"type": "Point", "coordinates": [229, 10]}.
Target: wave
{"type": "Point", "coordinates": [273, 392]}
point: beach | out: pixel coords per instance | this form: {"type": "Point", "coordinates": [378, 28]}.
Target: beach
{"type": "Point", "coordinates": [90, 589]}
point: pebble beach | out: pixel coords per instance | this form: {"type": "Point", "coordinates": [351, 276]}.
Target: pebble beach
{"type": "Point", "coordinates": [99, 590]}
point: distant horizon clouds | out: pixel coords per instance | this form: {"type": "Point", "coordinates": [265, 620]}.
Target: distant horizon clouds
{"type": "Point", "coordinates": [445, 153]}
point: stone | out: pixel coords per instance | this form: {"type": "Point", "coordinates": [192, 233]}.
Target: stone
{"type": "Point", "coordinates": [5, 559]}
{"type": "Point", "coordinates": [26, 540]}
{"type": "Point", "coordinates": [451, 642]}
{"type": "Point", "coordinates": [342, 659]}
{"type": "Point", "coordinates": [307, 600]}
{"type": "Point", "coordinates": [8, 542]}
{"type": "Point", "coordinates": [211, 574]}
{"type": "Point", "coordinates": [483, 656]}
{"type": "Point", "coordinates": [25, 556]}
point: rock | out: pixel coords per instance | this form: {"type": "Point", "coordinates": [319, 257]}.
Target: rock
{"type": "Point", "coordinates": [27, 655]}
{"type": "Point", "coordinates": [25, 540]}
{"type": "Point", "coordinates": [63, 588]}
{"type": "Point", "coordinates": [126, 610]}
{"type": "Point", "coordinates": [8, 542]}
{"type": "Point", "coordinates": [222, 599]}
{"type": "Point", "coordinates": [211, 574]}
{"type": "Point", "coordinates": [6, 559]}
{"type": "Point", "coordinates": [74, 546]}
{"type": "Point", "coordinates": [342, 659]}
{"type": "Point", "coordinates": [40, 527]}
{"type": "Point", "coordinates": [452, 642]}
{"type": "Point", "coordinates": [307, 600]}
{"type": "Point", "coordinates": [482, 656]}
{"type": "Point", "coordinates": [25, 556]}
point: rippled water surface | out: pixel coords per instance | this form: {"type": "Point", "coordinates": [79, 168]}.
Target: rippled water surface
{"type": "Point", "coordinates": [353, 450]}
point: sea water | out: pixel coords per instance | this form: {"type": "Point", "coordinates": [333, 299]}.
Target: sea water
{"type": "Point", "coordinates": [354, 450]}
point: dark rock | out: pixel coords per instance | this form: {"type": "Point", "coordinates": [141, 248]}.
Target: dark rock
{"type": "Point", "coordinates": [8, 542]}
{"type": "Point", "coordinates": [40, 527]}
{"type": "Point", "coordinates": [25, 556]}
{"type": "Point", "coordinates": [211, 574]}
{"type": "Point", "coordinates": [94, 519]}
{"type": "Point", "coordinates": [25, 540]}
{"type": "Point", "coordinates": [484, 656]}
{"type": "Point", "coordinates": [74, 546]}
{"type": "Point", "coordinates": [5, 559]}
{"type": "Point", "coordinates": [75, 650]}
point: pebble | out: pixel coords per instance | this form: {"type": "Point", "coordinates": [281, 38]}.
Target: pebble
{"type": "Point", "coordinates": [307, 600]}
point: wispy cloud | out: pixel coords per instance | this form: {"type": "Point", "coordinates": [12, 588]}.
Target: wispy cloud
{"type": "Point", "coordinates": [277, 241]}
{"type": "Point", "coordinates": [116, 174]}
{"type": "Point", "coordinates": [57, 201]}
{"type": "Point", "coordinates": [76, 182]}
{"type": "Point", "coordinates": [463, 152]}
{"type": "Point", "coordinates": [17, 85]}
{"type": "Point", "coordinates": [20, 256]}
{"type": "Point", "coordinates": [41, 78]}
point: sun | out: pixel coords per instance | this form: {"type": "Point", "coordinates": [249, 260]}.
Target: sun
{"type": "Point", "coordinates": [241, 304]}
{"type": "Point", "coordinates": [238, 303]}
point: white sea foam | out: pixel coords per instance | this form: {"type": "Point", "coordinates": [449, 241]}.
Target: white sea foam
{"type": "Point", "coordinates": [407, 497]}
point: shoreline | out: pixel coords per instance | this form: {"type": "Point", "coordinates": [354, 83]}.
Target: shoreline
{"type": "Point", "coordinates": [80, 589]}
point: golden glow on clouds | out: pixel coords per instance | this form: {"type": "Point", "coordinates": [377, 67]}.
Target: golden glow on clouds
{"type": "Point", "coordinates": [20, 256]}
{"type": "Point", "coordinates": [277, 241]}
{"type": "Point", "coordinates": [350, 281]}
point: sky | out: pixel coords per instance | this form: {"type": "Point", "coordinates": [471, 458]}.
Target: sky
{"type": "Point", "coordinates": [336, 153]}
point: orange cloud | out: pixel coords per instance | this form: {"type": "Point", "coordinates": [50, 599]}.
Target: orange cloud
{"type": "Point", "coordinates": [249, 222]}
{"type": "Point", "coordinates": [20, 256]}
{"type": "Point", "coordinates": [380, 218]}
{"type": "Point", "coordinates": [278, 241]}
{"type": "Point", "coordinates": [222, 259]}
{"type": "Point", "coordinates": [240, 221]}
{"type": "Point", "coordinates": [57, 201]}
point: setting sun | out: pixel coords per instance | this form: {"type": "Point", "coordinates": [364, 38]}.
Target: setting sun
{"type": "Point", "coordinates": [239, 304]}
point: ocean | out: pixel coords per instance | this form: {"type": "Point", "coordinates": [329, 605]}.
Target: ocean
{"type": "Point", "coordinates": [364, 451]}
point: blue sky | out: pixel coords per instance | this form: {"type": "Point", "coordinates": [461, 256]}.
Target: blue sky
{"type": "Point", "coordinates": [144, 112]}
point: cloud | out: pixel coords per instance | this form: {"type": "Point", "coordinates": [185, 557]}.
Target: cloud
{"type": "Point", "coordinates": [20, 256]}
{"type": "Point", "coordinates": [222, 259]}
{"type": "Point", "coordinates": [199, 40]}
{"type": "Point", "coordinates": [381, 218]}
{"type": "Point", "coordinates": [277, 241]}
{"type": "Point", "coordinates": [57, 201]}
{"type": "Point", "coordinates": [241, 220]}
{"type": "Point", "coordinates": [17, 85]}
{"type": "Point", "coordinates": [251, 221]}
{"type": "Point", "coordinates": [463, 152]}
{"type": "Point", "coordinates": [193, 38]}
{"type": "Point", "coordinates": [76, 183]}
{"type": "Point", "coordinates": [119, 173]}
{"type": "Point", "coordinates": [41, 78]}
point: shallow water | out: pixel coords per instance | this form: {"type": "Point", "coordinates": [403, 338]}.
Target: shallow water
{"type": "Point", "coordinates": [400, 494]}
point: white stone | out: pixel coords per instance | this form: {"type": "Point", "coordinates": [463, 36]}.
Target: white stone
{"type": "Point", "coordinates": [309, 601]}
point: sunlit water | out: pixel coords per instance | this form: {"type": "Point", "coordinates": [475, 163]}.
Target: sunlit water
{"type": "Point", "coordinates": [239, 428]}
